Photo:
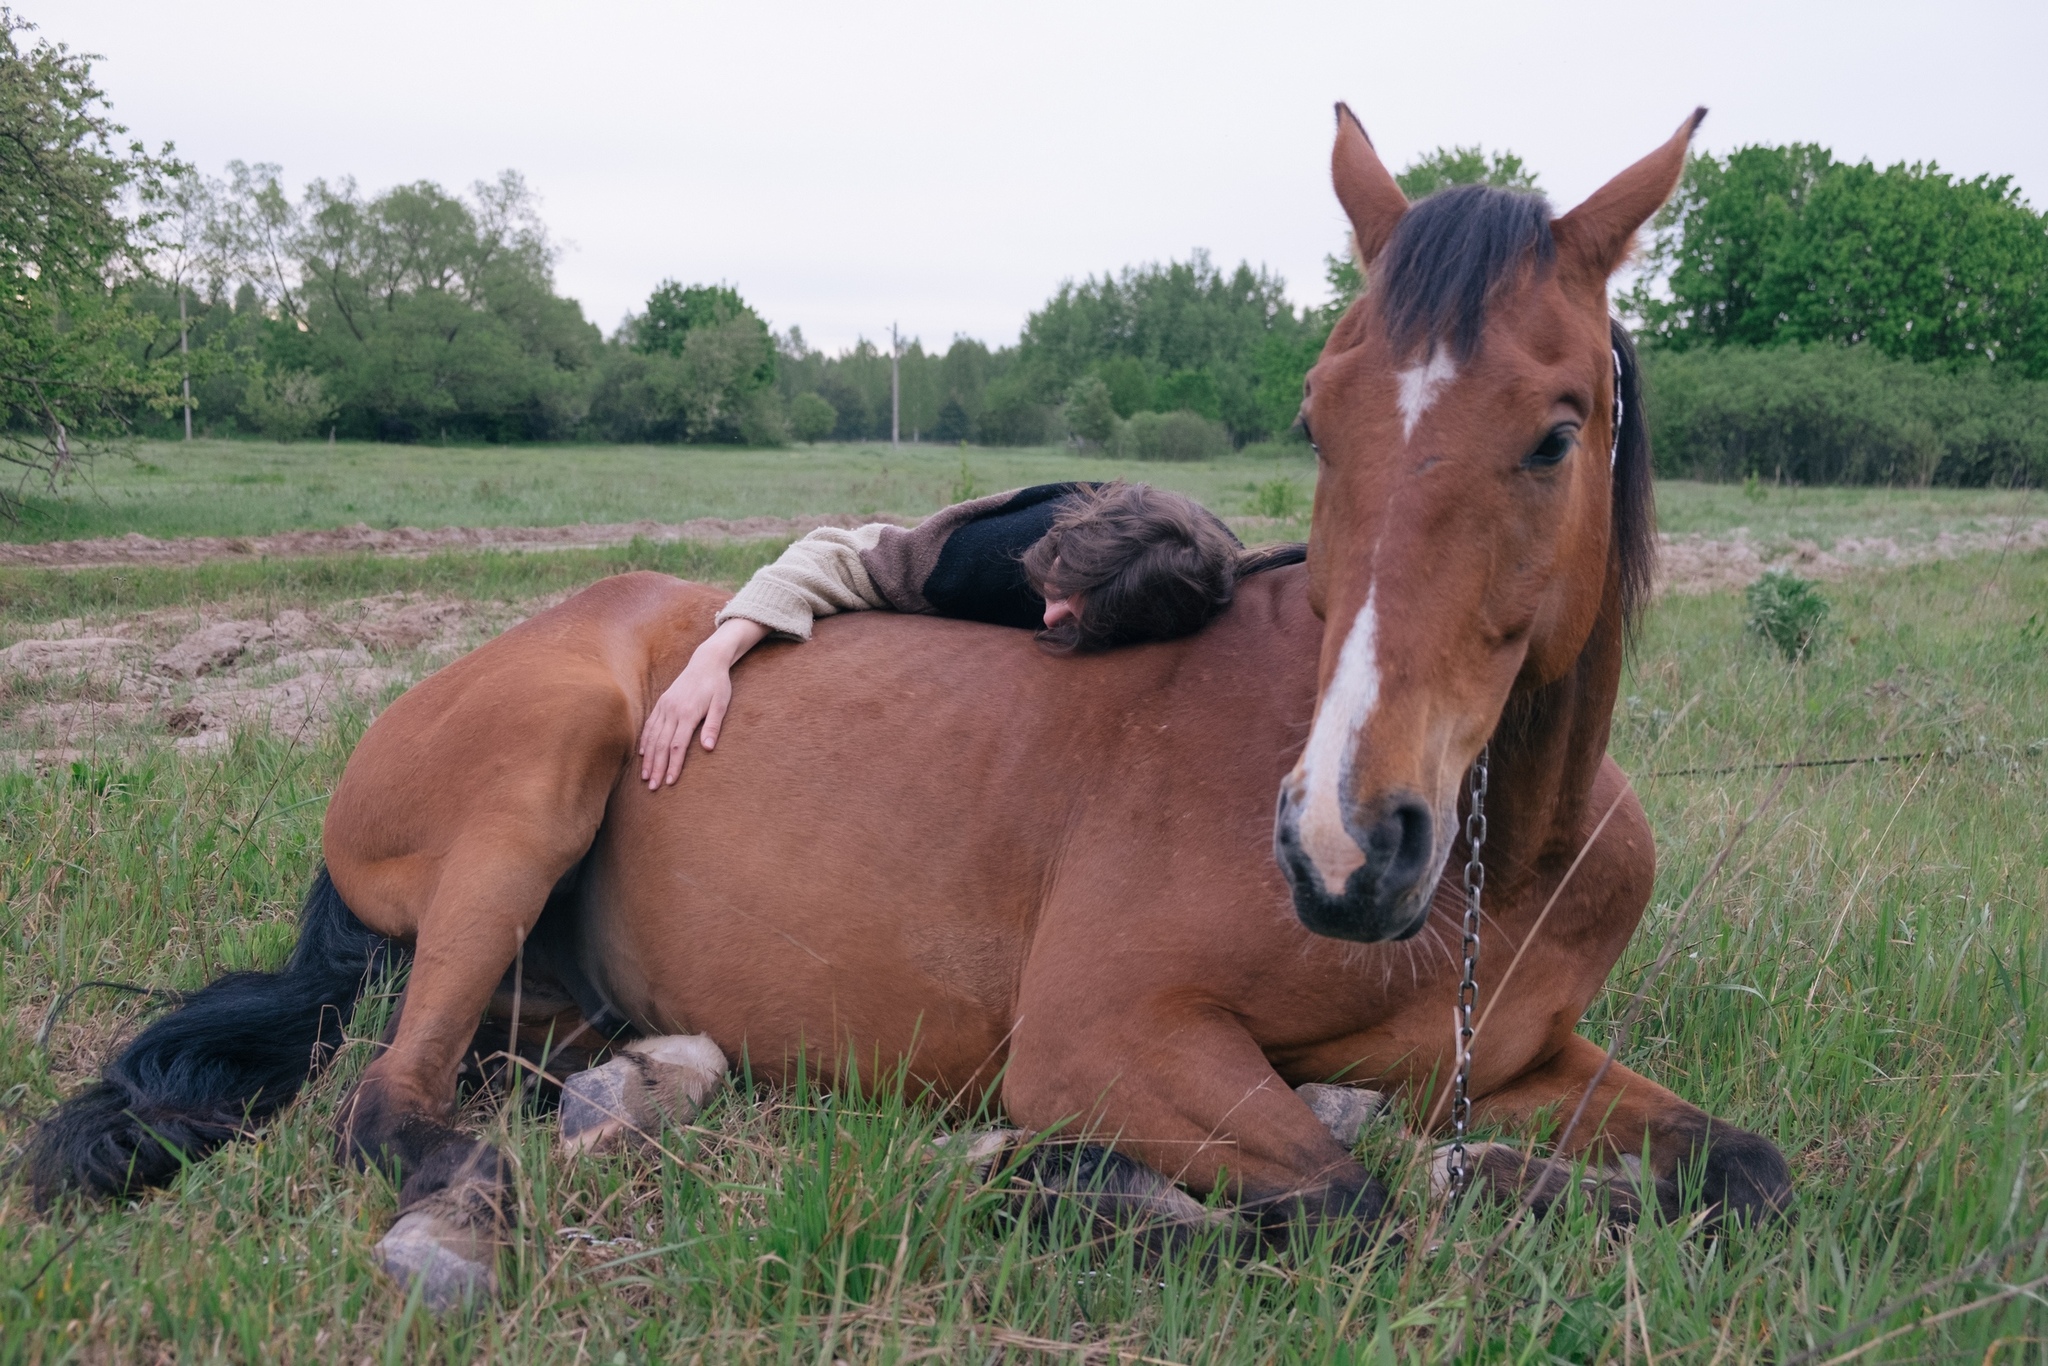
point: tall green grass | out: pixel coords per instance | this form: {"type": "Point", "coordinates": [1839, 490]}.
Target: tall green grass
{"type": "Point", "coordinates": [1860, 978]}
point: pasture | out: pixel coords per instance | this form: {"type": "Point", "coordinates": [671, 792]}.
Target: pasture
{"type": "Point", "coordinates": [1847, 958]}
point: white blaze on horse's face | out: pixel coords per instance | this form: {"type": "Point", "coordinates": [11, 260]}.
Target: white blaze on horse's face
{"type": "Point", "coordinates": [1322, 777]}
{"type": "Point", "coordinates": [1420, 384]}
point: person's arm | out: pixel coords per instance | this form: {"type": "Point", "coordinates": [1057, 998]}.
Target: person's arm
{"type": "Point", "coordinates": [816, 577]}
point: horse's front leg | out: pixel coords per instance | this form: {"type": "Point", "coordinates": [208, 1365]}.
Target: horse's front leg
{"type": "Point", "coordinates": [1697, 1161]}
{"type": "Point", "coordinates": [1189, 1095]}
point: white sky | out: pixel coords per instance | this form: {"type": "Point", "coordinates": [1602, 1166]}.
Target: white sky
{"type": "Point", "coordinates": [946, 165]}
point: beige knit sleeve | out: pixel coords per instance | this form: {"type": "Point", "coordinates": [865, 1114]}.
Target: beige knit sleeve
{"type": "Point", "coordinates": [817, 576]}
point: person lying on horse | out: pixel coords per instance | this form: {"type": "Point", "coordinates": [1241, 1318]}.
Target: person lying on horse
{"type": "Point", "coordinates": [1094, 566]}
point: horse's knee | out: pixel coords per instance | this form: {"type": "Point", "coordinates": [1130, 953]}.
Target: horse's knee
{"type": "Point", "coordinates": [1739, 1177]}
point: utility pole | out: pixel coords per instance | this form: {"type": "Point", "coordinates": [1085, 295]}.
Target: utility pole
{"type": "Point", "coordinates": [185, 356]}
{"type": "Point", "coordinates": [895, 387]}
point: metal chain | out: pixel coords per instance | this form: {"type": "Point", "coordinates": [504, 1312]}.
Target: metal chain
{"type": "Point", "coordinates": [1468, 986]}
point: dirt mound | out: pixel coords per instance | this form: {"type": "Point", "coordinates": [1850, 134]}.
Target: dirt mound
{"type": "Point", "coordinates": [1694, 563]}
{"type": "Point", "coordinates": [137, 549]}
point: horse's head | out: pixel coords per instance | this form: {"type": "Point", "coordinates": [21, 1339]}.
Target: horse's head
{"type": "Point", "coordinates": [1472, 525]}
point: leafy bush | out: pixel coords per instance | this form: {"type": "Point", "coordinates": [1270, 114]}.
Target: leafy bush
{"type": "Point", "coordinates": [1842, 415]}
{"type": "Point", "coordinates": [812, 418]}
{"type": "Point", "coordinates": [1788, 611]}
{"type": "Point", "coordinates": [1014, 418]}
{"type": "Point", "coordinates": [1280, 498]}
{"type": "Point", "coordinates": [1171, 436]}
{"type": "Point", "coordinates": [286, 404]}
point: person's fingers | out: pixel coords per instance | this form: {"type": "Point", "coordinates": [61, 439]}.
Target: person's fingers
{"type": "Point", "coordinates": [661, 733]}
{"type": "Point", "coordinates": [650, 743]}
{"type": "Point", "coordinates": [714, 719]}
{"type": "Point", "coordinates": [687, 715]}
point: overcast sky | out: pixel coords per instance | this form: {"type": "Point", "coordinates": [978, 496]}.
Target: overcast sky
{"type": "Point", "coordinates": [947, 165]}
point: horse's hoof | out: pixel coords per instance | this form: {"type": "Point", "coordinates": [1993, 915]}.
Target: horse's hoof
{"type": "Point", "coordinates": [439, 1247]}
{"type": "Point", "coordinates": [981, 1151]}
{"type": "Point", "coordinates": [652, 1084]}
{"type": "Point", "coordinates": [1344, 1110]}
{"type": "Point", "coordinates": [1505, 1172]}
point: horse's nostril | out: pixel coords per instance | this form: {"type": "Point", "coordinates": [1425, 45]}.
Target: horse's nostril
{"type": "Point", "coordinates": [1399, 844]}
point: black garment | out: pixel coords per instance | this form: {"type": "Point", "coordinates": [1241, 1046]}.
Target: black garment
{"type": "Point", "coordinates": [980, 571]}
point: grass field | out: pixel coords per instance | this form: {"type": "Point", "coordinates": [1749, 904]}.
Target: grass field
{"type": "Point", "coordinates": [1856, 969]}
{"type": "Point", "coordinates": [214, 488]}
{"type": "Point", "coordinates": [223, 488]}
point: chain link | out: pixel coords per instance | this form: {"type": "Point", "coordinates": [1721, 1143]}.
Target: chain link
{"type": "Point", "coordinates": [1468, 986]}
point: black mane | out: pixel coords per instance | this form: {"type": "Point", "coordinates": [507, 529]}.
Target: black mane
{"type": "Point", "coordinates": [1448, 254]}
{"type": "Point", "coordinates": [1634, 517]}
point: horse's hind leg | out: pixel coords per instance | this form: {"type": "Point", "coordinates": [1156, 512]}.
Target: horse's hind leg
{"type": "Point", "coordinates": [454, 1204]}
{"type": "Point", "coordinates": [1695, 1160]}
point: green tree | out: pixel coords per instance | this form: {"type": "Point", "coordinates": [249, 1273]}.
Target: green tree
{"type": "Point", "coordinates": [1090, 414]}
{"type": "Point", "coordinates": [1786, 244]}
{"type": "Point", "coordinates": [673, 312]}
{"type": "Point", "coordinates": [1182, 334]}
{"type": "Point", "coordinates": [426, 312]}
{"type": "Point", "coordinates": [1448, 166]}
{"type": "Point", "coordinates": [70, 376]}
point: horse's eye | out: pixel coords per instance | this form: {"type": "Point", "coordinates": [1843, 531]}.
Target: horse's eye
{"type": "Point", "coordinates": [1554, 447]}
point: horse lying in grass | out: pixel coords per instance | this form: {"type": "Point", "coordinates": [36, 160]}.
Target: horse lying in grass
{"type": "Point", "coordinates": [1063, 881]}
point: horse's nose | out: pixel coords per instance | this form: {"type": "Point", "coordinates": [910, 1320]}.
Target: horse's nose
{"type": "Point", "coordinates": [1398, 844]}
{"type": "Point", "coordinates": [1387, 895]}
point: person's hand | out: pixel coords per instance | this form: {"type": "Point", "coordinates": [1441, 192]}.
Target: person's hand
{"type": "Point", "coordinates": [697, 699]}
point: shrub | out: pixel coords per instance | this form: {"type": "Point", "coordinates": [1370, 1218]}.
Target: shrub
{"type": "Point", "coordinates": [1279, 498]}
{"type": "Point", "coordinates": [1842, 415]}
{"type": "Point", "coordinates": [811, 417]}
{"type": "Point", "coordinates": [285, 404]}
{"type": "Point", "coordinates": [1788, 611]}
{"type": "Point", "coordinates": [1171, 436]}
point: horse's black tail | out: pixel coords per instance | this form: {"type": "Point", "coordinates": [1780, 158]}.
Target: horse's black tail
{"type": "Point", "coordinates": [229, 1057]}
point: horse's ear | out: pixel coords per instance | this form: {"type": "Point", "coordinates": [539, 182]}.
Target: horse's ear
{"type": "Point", "coordinates": [1596, 236]}
{"type": "Point", "coordinates": [1371, 199]}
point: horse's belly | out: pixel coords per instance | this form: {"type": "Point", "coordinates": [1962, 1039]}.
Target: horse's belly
{"type": "Point", "coordinates": [802, 934]}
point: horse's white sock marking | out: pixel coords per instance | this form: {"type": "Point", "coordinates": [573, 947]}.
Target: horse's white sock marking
{"type": "Point", "coordinates": [1420, 385]}
{"type": "Point", "coordinates": [1354, 691]}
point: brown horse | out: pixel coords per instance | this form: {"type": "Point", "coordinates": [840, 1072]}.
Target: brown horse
{"type": "Point", "coordinates": [932, 843]}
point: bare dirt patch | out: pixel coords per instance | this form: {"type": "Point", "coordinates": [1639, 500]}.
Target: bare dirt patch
{"type": "Point", "coordinates": [1695, 563]}
{"type": "Point", "coordinates": [1690, 563]}
{"type": "Point", "coordinates": [193, 678]}
{"type": "Point", "coordinates": [137, 549]}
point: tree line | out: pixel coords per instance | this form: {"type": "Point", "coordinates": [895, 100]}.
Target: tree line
{"type": "Point", "coordinates": [1801, 317]}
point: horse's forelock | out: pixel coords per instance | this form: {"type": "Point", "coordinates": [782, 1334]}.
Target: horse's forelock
{"type": "Point", "coordinates": [1449, 254]}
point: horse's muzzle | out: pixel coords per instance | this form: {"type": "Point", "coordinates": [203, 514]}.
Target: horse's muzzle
{"type": "Point", "coordinates": [1387, 895]}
